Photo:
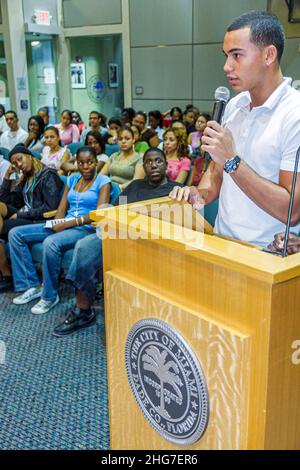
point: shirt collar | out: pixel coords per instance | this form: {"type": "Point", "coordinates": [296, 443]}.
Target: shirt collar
{"type": "Point", "coordinates": [244, 100]}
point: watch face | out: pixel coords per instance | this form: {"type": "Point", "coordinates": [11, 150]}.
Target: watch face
{"type": "Point", "coordinates": [232, 164]}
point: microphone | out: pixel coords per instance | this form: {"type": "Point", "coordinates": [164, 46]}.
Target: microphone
{"type": "Point", "coordinates": [222, 95]}
{"type": "Point", "coordinates": [288, 223]}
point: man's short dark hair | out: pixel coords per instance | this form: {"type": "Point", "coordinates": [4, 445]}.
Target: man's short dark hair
{"type": "Point", "coordinates": [265, 29]}
{"type": "Point", "coordinates": [10, 111]}
{"type": "Point", "coordinates": [44, 109]}
{"type": "Point", "coordinates": [153, 150]}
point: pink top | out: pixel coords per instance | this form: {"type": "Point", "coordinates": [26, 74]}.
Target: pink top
{"type": "Point", "coordinates": [176, 166]}
{"type": "Point", "coordinates": [195, 136]}
{"type": "Point", "coordinates": [68, 135]}
{"type": "Point", "coordinates": [53, 160]}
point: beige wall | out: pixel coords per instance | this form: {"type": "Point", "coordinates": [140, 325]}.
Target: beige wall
{"type": "Point", "coordinates": [176, 50]}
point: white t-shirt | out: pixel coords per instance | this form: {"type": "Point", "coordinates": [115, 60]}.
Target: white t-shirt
{"type": "Point", "coordinates": [4, 165]}
{"type": "Point", "coordinates": [3, 125]}
{"type": "Point", "coordinates": [266, 138]}
{"type": "Point", "coordinates": [102, 157]}
{"type": "Point", "coordinates": [9, 139]}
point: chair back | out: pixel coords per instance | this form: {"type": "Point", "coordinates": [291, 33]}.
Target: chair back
{"type": "Point", "coordinates": [36, 155]}
{"type": "Point", "coordinates": [211, 211]}
{"type": "Point", "coordinates": [74, 147]}
{"type": "Point", "coordinates": [114, 192]}
{"type": "Point", "coordinates": [111, 148]}
{"type": "Point", "coordinates": [4, 152]}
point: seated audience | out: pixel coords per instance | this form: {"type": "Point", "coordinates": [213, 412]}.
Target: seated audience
{"type": "Point", "coordinates": [176, 150]}
{"type": "Point", "coordinates": [76, 119]}
{"type": "Point", "coordinates": [175, 114]}
{"type": "Point", "coordinates": [139, 147]}
{"type": "Point", "coordinates": [15, 135]}
{"type": "Point", "coordinates": [156, 123]}
{"type": "Point", "coordinates": [189, 120]}
{"type": "Point", "coordinates": [54, 155]}
{"type": "Point", "coordinates": [114, 125]}
{"type": "Point", "coordinates": [126, 165]}
{"type": "Point", "coordinates": [147, 135]}
{"type": "Point", "coordinates": [35, 137]}
{"type": "Point", "coordinates": [179, 125]}
{"type": "Point", "coordinates": [68, 132]}
{"type": "Point", "coordinates": [3, 125]}
{"type": "Point", "coordinates": [43, 112]}
{"type": "Point", "coordinates": [195, 110]}
{"type": "Point", "coordinates": [95, 140]}
{"type": "Point", "coordinates": [85, 271]}
{"type": "Point", "coordinates": [38, 191]}
{"type": "Point", "coordinates": [96, 123]}
{"type": "Point", "coordinates": [195, 140]}
{"type": "Point", "coordinates": [85, 191]}
{"type": "Point", "coordinates": [127, 116]}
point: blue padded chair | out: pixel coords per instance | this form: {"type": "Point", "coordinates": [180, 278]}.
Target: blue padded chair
{"type": "Point", "coordinates": [210, 212]}
{"type": "Point", "coordinates": [74, 147]}
{"type": "Point", "coordinates": [36, 155]}
{"type": "Point", "coordinates": [4, 152]}
{"type": "Point", "coordinates": [111, 148]}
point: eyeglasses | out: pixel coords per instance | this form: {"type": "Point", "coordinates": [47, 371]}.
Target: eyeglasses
{"type": "Point", "coordinates": [157, 161]}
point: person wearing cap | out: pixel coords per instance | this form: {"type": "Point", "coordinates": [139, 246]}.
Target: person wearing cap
{"type": "Point", "coordinates": [38, 190]}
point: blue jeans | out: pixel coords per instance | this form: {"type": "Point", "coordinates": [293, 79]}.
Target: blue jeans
{"type": "Point", "coordinates": [54, 246]}
{"type": "Point", "coordinates": [86, 267]}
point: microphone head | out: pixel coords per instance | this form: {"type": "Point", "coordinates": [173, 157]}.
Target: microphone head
{"type": "Point", "coordinates": [222, 94]}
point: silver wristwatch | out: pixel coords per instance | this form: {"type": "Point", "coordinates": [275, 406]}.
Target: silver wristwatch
{"type": "Point", "coordinates": [232, 165]}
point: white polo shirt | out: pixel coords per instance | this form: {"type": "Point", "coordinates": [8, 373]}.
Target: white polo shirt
{"type": "Point", "coordinates": [10, 138]}
{"type": "Point", "coordinates": [266, 138]}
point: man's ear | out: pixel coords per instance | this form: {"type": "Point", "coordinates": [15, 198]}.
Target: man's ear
{"type": "Point", "coordinates": [270, 55]}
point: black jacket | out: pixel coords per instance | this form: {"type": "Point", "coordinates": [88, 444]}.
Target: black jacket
{"type": "Point", "coordinates": [46, 196]}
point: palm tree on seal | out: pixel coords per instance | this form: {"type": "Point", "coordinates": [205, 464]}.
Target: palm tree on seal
{"type": "Point", "coordinates": [154, 361]}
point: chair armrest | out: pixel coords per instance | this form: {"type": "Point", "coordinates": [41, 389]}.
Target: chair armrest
{"type": "Point", "coordinates": [50, 214]}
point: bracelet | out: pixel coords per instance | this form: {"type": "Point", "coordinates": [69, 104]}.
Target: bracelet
{"type": "Point", "coordinates": [82, 220]}
{"type": "Point", "coordinates": [77, 222]}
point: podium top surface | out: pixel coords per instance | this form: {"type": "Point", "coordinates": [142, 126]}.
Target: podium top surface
{"type": "Point", "coordinates": [250, 260]}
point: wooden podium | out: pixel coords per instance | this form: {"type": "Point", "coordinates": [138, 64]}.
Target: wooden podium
{"type": "Point", "coordinates": [237, 307]}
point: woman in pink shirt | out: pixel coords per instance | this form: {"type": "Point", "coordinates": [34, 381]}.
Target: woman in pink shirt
{"type": "Point", "coordinates": [177, 153]}
{"type": "Point", "coordinates": [68, 132]}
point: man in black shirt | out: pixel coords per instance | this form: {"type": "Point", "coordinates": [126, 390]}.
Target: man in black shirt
{"type": "Point", "coordinates": [155, 184]}
{"type": "Point", "coordinates": [85, 270]}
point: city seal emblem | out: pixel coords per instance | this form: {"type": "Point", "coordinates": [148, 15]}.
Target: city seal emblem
{"type": "Point", "coordinates": [96, 88]}
{"type": "Point", "coordinates": [167, 381]}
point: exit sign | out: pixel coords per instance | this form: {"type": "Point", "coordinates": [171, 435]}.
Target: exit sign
{"type": "Point", "coordinates": [42, 17]}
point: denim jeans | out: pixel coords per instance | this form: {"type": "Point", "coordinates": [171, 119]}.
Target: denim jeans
{"type": "Point", "coordinates": [54, 246]}
{"type": "Point", "coordinates": [86, 267]}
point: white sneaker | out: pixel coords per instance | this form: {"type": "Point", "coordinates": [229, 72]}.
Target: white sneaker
{"type": "Point", "coordinates": [28, 296]}
{"type": "Point", "coordinates": [43, 306]}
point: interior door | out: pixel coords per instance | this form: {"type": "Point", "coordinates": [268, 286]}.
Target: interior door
{"type": "Point", "coordinates": [42, 76]}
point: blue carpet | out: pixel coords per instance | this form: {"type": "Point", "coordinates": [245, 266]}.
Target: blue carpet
{"type": "Point", "coordinates": [53, 391]}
